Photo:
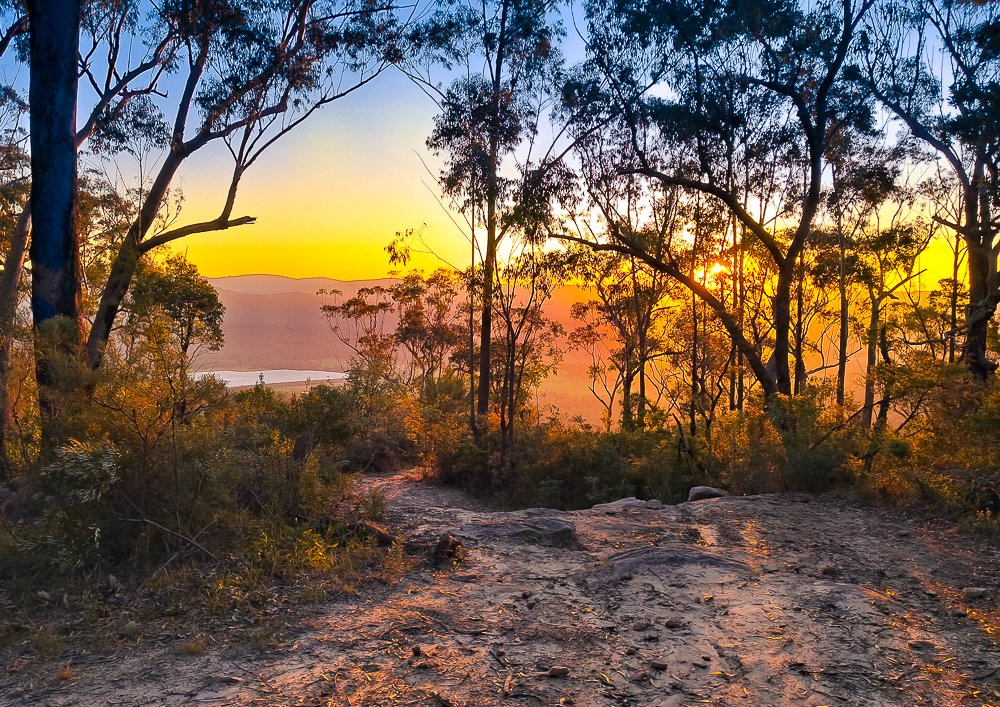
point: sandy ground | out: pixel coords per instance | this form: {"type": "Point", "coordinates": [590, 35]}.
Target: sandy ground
{"type": "Point", "coordinates": [763, 600]}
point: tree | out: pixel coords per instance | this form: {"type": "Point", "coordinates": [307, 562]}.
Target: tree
{"type": "Point", "coordinates": [55, 282]}
{"type": "Point", "coordinates": [190, 303]}
{"type": "Point", "coordinates": [952, 106]}
{"type": "Point", "coordinates": [489, 118]}
{"type": "Point", "coordinates": [753, 94]}
{"type": "Point", "coordinates": [629, 309]}
{"type": "Point", "coordinates": [249, 76]}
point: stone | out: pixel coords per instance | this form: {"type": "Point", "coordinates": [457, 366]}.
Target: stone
{"type": "Point", "coordinates": [638, 676]}
{"type": "Point", "coordinates": [921, 646]}
{"type": "Point", "coordinates": [634, 561]}
{"type": "Point", "coordinates": [658, 664]}
{"type": "Point", "coordinates": [641, 626]}
{"type": "Point", "coordinates": [829, 570]}
{"type": "Point", "coordinates": [533, 530]}
{"type": "Point", "coordinates": [654, 504]}
{"type": "Point", "coordinates": [702, 493]}
{"type": "Point", "coordinates": [557, 671]}
{"type": "Point", "coordinates": [622, 504]}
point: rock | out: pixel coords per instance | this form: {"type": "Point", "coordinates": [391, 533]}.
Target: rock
{"type": "Point", "coordinates": [557, 671]}
{"type": "Point", "coordinates": [641, 626]}
{"type": "Point", "coordinates": [976, 592]}
{"type": "Point", "coordinates": [829, 570]}
{"type": "Point", "coordinates": [658, 664]}
{"type": "Point", "coordinates": [635, 560]}
{"type": "Point", "coordinates": [701, 493]}
{"type": "Point", "coordinates": [638, 676]}
{"type": "Point", "coordinates": [620, 505]}
{"type": "Point", "coordinates": [534, 530]}
{"type": "Point", "coordinates": [130, 630]}
{"type": "Point", "coordinates": [672, 623]}
{"type": "Point", "coordinates": [654, 504]}
{"type": "Point", "coordinates": [921, 646]}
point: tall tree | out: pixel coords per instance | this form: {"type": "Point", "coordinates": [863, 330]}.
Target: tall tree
{"type": "Point", "coordinates": [55, 282]}
{"type": "Point", "coordinates": [488, 122]}
{"type": "Point", "coordinates": [935, 64]}
{"type": "Point", "coordinates": [745, 97]}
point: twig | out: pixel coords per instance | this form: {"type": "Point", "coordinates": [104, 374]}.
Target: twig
{"type": "Point", "coordinates": [183, 537]}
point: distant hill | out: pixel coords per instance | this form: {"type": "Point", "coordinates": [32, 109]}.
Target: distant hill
{"type": "Point", "coordinates": [275, 322]}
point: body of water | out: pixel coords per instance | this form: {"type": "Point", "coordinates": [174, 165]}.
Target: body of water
{"type": "Point", "coordinates": [235, 379]}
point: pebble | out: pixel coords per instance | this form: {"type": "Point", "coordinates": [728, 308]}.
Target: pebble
{"type": "Point", "coordinates": [672, 623]}
{"type": "Point", "coordinates": [641, 626]}
{"type": "Point", "coordinates": [557, 671]}
{"type": "Point", "coordinates": [829, 570]}
{"type": "Point", "coordinates": [638, 676]}
{"type": "Point", "coordinates": [921, 645]}
{"type": "Point", "coordinates": [658, 664]}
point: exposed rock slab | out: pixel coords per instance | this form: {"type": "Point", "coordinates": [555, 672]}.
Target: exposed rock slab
{"type": "Point", "coordinates": [640, 559]}
{"type": "Point", "coordinates": [534, 528]}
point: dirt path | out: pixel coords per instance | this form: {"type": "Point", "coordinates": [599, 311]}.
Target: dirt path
{"type": "Point", "coordinates": [765, 600]}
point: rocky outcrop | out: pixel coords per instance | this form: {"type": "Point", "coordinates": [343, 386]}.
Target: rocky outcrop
{"type": "Point", "coordinates": [702, 493]}
{"type": "Point", "coordinates": [536, 526]}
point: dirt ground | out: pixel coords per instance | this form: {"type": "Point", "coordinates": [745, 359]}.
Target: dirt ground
{"type": "Point", "coordinates": [762, 600]}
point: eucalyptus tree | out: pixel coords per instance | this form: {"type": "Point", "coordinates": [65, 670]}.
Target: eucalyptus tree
{"type": "Point", "coordinates": [247, 73]}
{"type": "Point", "coordinates": [498, 169]}
{"type": "Point", "coordinates": [55, 284]}
{"type": "Point", "coordinates": [935, 65]}
{"type": "Point", "coordinates": [630, 314]}
{"type": "Point", "coordinates": [734, 103]}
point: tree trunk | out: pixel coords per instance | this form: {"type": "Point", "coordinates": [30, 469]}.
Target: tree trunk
{"type": "Point", "coordinates": [782, 326]}
{"type": "Point", "coordinates": [845, 313]}
{"type": "Point", "coordinates": [953, 303]}
{"type": "Point", "coordinates": [872, 349]}
{"type": "Point", "coordinates": [983, 298]}
{"type": "Point", "coordinates": [127, 259]}
{"type": "Point", "coordinates": [10, 277]}
{"type": "Point", "coordinates": [800, 334]}
{"type": "Point", "coordinates": [55, 266]}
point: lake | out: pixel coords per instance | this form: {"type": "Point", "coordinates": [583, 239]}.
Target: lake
{"type": "Point", "coordinates": [235, 379]}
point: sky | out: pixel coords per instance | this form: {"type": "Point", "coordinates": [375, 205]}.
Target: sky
{"type": "Point", "coordinates": [331, 195]}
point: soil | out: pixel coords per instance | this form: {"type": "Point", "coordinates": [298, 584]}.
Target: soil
{"type": "Point", "coordinates": [757, 600]}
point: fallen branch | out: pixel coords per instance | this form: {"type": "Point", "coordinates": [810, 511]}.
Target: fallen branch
{"type": "Point", "coordinates": [181, 536]}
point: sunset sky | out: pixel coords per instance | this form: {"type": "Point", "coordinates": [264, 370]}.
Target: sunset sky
{"type": "Point", "coordinates": [330, 196]}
